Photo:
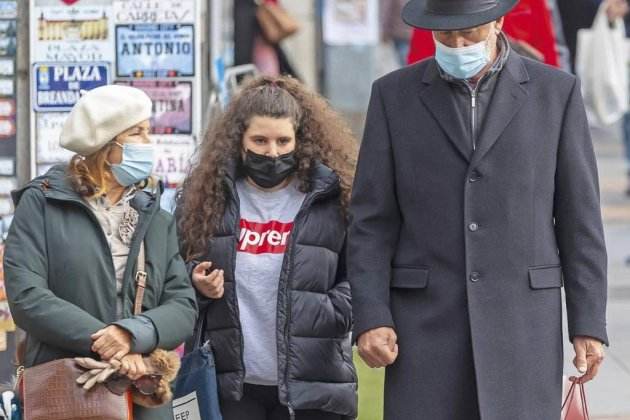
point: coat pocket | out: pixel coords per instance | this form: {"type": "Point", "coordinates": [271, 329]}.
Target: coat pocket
{"type": "Point", "coordinates": [410, 277]}
{"type": "Point", "coordinates": [546, 277]}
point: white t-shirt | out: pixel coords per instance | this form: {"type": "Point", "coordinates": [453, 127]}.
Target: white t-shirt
{"type": "Point", "coordinates": [266, 224]}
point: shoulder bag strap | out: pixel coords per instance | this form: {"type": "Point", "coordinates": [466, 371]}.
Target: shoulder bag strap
{"type": "Point", "coordinates": [141, 281]}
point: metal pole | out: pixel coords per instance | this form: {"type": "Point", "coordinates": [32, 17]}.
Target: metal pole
{"type": "Point", "coordinates": [23, 114]}
{"type": "Point", "coordinates": [204, 81]}
{"type": "Point", "coordinates": [320, 62]}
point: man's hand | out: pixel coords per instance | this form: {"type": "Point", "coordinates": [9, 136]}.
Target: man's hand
{"type": "Point", "coordinates": [589, 355]}
{"type": "Point", "coordinates": [112, 342]}
{"type": "Point", "coordinates": [616, 9]}
{"type": "Point", "coordinates": [378, 347]}
{"type": "Point", "coordinates": [210, 285]}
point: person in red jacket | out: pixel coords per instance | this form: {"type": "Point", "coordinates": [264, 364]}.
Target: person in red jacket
{"type": "Point", "coordinates": [528, 27]}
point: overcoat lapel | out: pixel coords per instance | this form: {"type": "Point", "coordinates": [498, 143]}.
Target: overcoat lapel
{"type": "Point", "coordinates": [509, 96]}
{"type": "Point", "coordinates": [440, 102]}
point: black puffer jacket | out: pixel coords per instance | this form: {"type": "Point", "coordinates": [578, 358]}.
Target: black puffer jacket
{"type": "Point", "coordinates": [315, 369]}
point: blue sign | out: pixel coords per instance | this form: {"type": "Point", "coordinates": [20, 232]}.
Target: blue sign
{"type": "Point", "coordinates": [155, 51]}
{"type": "Point", "coordinates": [58, 86]}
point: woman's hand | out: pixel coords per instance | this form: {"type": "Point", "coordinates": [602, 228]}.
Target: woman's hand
{"type": "Point", "coordinates": [209, 285]}
{"type": "Point", "coordinates": [133, 366]}
{"type": "Point", "coordinates": [112, 342]}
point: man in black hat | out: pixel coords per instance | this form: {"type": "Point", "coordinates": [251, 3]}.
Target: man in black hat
{"type": "Point", "coordinates": [475, 201]}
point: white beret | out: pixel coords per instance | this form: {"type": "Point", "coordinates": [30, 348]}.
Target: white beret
{"type": "Point", "coordinates": [101, 114]}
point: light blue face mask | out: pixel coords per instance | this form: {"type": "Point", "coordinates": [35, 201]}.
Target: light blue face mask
{"type": "Point", "coordinates": [464, 62]}
{"type": "Point", "coordinates": [136, 164]}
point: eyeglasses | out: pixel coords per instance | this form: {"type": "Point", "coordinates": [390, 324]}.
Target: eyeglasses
{"type": "Point", "coordinates": [146, 385]}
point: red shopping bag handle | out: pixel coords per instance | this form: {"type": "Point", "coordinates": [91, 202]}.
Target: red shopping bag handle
{"type": "Point", "coordinates": [569, 397]}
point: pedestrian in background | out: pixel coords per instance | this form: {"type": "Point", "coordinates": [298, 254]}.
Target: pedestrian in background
{"type": "Point", "coordinates": [251, 47]}
{"type": "Point", "coordinates": [75, 239]}
{"type": "Point", "coordinates": [475, 201]}
{"type": "Point", "coordinates": [579, 14]}
{"type": "Point", "coordinates": [394, 30]}
{"type": "Point", "coordinates": [262, 220]}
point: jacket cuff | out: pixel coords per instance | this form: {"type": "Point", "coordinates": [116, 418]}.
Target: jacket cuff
{"type": "Point", "coordinates": [371, 317]}
{"type": "Point", "coordinates": [144, 337]}
{"type": "Point", "coordinates": [190, 266]}
{"type": "Point", "coordinates": [587, 326]}
{"type": "Point", "coordinates": [597, 334]}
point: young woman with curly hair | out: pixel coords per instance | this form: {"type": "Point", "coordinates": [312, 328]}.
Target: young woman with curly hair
{"type": "Point", "coordinates": [262, 223]}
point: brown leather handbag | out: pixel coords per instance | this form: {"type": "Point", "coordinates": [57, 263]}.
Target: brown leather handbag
{"type": "Point", "coordinates": [274, 21]}
{"type": "Point", "coordinates": [49, 391]}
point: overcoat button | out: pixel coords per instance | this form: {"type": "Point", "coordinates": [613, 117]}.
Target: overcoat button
{"type": "Point", "coordinates": [473, 227]}
{"type": "Point", "coordinates": [474, 176]}
{"type": "Point", "coordinates": [475, 276]}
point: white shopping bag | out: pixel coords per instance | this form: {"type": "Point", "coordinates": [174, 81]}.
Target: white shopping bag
{"type": "Point", "coordinates": [602, 64]}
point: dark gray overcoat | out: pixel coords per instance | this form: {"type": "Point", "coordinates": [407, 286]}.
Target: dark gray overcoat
{"type": "Point", "coordinates": [466, 254]}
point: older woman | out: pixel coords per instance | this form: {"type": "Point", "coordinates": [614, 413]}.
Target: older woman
{"type": "Point", "coordinates": [73, 246]}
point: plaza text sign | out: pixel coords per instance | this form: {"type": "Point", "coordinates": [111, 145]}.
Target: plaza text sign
{"type": "Point", "coordinates": [58, 86]}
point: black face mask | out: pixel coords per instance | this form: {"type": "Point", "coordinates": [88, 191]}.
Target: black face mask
{"type": "Point", "coordinates": [269, 172]}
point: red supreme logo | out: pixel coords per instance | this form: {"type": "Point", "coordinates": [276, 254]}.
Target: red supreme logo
{"type": "Point", "coordinates": [264, 238]}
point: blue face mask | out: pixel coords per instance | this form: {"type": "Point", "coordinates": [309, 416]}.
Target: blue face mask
{"type": "Point", "coordinates": [136, 164]}
{"type": "Point", "coordinates": [464, 62]}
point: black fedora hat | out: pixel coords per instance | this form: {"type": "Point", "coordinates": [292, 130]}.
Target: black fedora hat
{"type": "Point", "coordinates": [451, 15]}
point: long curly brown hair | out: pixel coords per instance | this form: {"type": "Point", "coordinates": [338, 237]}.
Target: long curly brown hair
{"type": "Point", "coordinates": [321, 136]}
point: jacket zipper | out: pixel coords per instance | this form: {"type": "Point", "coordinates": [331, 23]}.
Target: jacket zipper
{"type": "Point", "coordinates": [237, 203]}
{"type": "Point", "coordinates": [473, 100]}
{"type": "Point", "coordinates": [473, 104]}
{"type": "Point", "coordinates": [307, 203]}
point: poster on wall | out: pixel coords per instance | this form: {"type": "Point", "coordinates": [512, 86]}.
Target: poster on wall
{"type": "Point", "coordinates": [7, 67]}
{"type": "Point", "coordinates": [7, 107]}
{"type": "Point", "coordinates": [351, 22]}
{"type": "Point", "coordinates": [8, 146]}
{"type": "Point", "coordinates": [48, 127]}
{"type": "Point", "coordinates": [8, 45]}
{"type": "Point", "coordinates": [172, 162]}
{"type": "Point", "coordinates": [58, 86]}
{"type": "Point", "coordinates": [172, 105]}
{"type": "Point", "coordinates": [6, 320]}
{"type": "Point", "coordinates": [6, 186]}
{"type": "Point", "coordinates": [7, 129]}
{"type": "Point", "coordinates": [79, 32]}
{"type": "Point", "coordinates": [8, 9]}
{"type": "Point", "coordinates": [172, 140]}
{"type": "Point", "coordinates": [155, 51]}
{"type": "Point", "coordinates": [7, 168]}
{"type": "Point", "coordinates": [163, 11]}
{"type": "Point", "coordinates": [8, 28]}
{"type": "Point", "coordinates": [7, 87]}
